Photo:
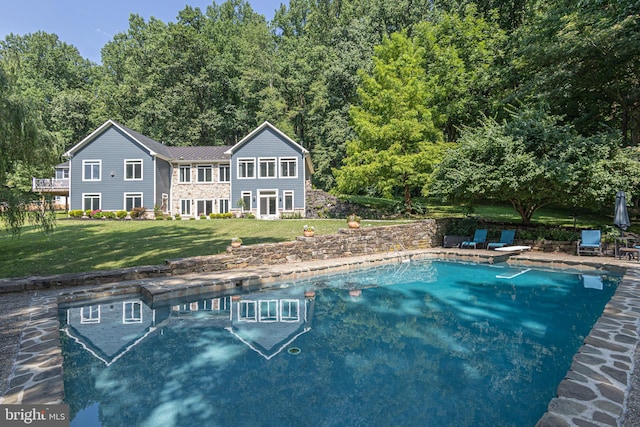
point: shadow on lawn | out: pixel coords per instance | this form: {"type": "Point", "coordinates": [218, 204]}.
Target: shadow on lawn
{"type": "Point", "coordinates": [78, 247]}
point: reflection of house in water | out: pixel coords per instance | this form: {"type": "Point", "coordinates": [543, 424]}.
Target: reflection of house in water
{"type": "Point", "coordinates": [109, 329]}
{"type": "Point", "coordinates": [265, 321]}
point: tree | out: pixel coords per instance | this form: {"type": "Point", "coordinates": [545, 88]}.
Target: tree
{"type": "Point", "coordinates": [397, 144]}
{"type": "Point", "coordinates": [24, 146]}
{"type": "Point", "coordinates": [583, 59]}
{"type": "Point", "coordinates": [532, 161]}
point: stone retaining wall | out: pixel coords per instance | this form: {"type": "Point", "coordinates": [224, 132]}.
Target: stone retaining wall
{"type": "Point", "coordinates": [347, 242]}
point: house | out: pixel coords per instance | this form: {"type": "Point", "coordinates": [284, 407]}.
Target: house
{"type": "Point", "coordinates": [116, 168]}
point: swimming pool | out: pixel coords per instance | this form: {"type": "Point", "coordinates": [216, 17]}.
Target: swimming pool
{"type": "Point", "coordinates": [426, 343]}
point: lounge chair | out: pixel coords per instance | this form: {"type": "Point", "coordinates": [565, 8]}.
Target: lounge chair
{"type": "Point", "coordinates": [479, 239]}
{"type": "Point", "coordinates": [506, 239]}
{"type": "Point", "coordinates": [589, 242]}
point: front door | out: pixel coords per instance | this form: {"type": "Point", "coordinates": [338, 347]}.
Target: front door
{"type": "Point", "coordinates": [267, 204]}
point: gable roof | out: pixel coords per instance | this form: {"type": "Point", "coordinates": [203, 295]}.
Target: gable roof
{"type": "Point", "coordinates": [260, 129]}
{"type": "Point", "coordinates": [200, 153]}
{"type": "Point", "coordinates": [153, 147]}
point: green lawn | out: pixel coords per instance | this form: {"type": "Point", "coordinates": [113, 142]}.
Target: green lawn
{"type": "Point", "coordinates": [86, 245]}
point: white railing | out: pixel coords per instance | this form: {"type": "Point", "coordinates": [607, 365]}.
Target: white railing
{"type": "Point", "coordinates": [49, 184]}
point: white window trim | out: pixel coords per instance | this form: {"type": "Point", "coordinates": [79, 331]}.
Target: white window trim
{"type": "Point", "coordinates": [133, 195]}
{"type": "Point", "coordinates": [284, 201]}
{"type": "Point", "coordinates": [247, 303]}
{"type": "Point", "coordinates": [246, 159]}
{"type": "Point", "coordinates": [250, 207]}
{"type": "Point", "coordinates": [288, 159]}
{"type": "Point", "coordinates": [190, 201]}
{"type": "Point", "coordinates": [268, 160]}
{"type": "Point", "coordinates": [99, 195]}
{"type": "Point", "coordinates": [213, 205]}
{"type": "Point", "coordinates": [180, 167]}
{"type": "Point", "coordinates": [268, 317]}
{"type": "Point", "coordinates": [228, 167]}
{"type": "Point", "coordinates": [290, 303]}
{"type": "Point", "coordinates": [198, 167]}
{"type": "Point", "coordinates": [221, 202]}
{"type": "Point", "coordinates": [93, 162]}
{"type": "Point", "coordinates": [133, 162]}
{"type": "Point", "coordinates": [89, 319]}
{"type": "Point", "coordinates": [127, 319]}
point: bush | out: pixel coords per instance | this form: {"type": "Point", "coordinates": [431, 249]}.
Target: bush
{"type": "Point", "coordinates": [121, 214]}
{"type": "Point", "coordinates": [178, 217]}
{"type": "Point", "coordinates": [220, 215]}
{"type": "Point", "coordinates": [138, 212]}
{"type": "Point", "coordinates": [77, 213]}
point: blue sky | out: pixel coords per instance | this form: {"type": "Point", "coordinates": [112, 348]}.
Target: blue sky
{"type": "Point", "coordinates": [90, 24]}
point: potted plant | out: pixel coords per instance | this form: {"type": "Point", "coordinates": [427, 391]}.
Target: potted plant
{"type": "Point", "coordinates": [236, 242]}
{"type": "Point", "coordinates": [309, 230]}
{"type": "Point", "coordinates": [353, 221]}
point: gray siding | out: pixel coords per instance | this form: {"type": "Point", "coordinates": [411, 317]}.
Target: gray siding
{"type": "Point", "coordinates": [163, 181]}
{"type": "Point", "coordinates": [268, 144]}
{"type": "Point", "coordinates": [112, 147]}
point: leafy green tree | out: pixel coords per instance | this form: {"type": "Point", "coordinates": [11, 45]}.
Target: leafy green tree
{"type": "Point", "coordinates": [533, 161]}
{"type": "Point", "coordinates": [583, 59]}
{"type": "Point", "coordinates": [25, 146]}
{"type": "Point", "coordinates": [397, 144]}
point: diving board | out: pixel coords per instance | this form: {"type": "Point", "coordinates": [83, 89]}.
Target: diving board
{"type": "Point", "coordinates": [513, 248]}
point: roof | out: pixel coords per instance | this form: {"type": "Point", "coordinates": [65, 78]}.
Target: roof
{"type": "Point", "coordinates": [260, 129]}
{"type": "Point", "coordinates": [200, 153]}
{"type": "Point", "coordinates": [154, 147]}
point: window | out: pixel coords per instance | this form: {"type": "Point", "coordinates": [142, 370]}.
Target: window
{"type": "Point", "coordinates": [290, 310]}
{"type": "Point", "coordinates": [246, 168]}
{"type": "Point", "coordinates": [246, 198]}
{"type": "Point", "coordinates": [91, 202]}
{"type": "Point", "coordinates": [224, 205]}
{"type": "Point", "coordinates": [62, 173]}
{"type": "Point", "coordinates": [289, 168]}
{"type": "Point", "coordinates": [132, 200]}
{"type": "Point", "coordinates": [133, 170]}
{"type": "Point", "coordinates": [288, 200]}
{"type": "Point", "coordinates": [204, 207]}
{"type": "Point", "coordinates": [267, 168]}
{"type": "Point", "coordinates": [91, 170]}
{"type": "Point", "coordinates": [269, 311]}
{"type": "Point", "coordinates": [224, 173]}
{"type": "Point", "coordinates": [205, 173]}
{"type": "Point", "coordinates": [90, 314]}
{"type": "Point", "coordinates": [132, 312]}
{"type": "Point", "coordinates": [247, 311]}
{"type": "Point", "coordinates": [185, 207]}
{"type": "Point", "coordinates": [185, 174]}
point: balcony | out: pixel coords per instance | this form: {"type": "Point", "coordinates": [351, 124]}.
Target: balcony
{"type": "Point", "coordinates": [58, 187]}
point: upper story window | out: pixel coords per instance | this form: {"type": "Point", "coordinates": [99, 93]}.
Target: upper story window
{"type": "Point", "coordinates": [133, 170]}
{"type": "Point", "coordinates": [62, 173]}
{"type": "Point", "coordinates": [246, 168]}
{"type": "Point", "coordinates": [289, 167]}
{"type": "Point", "coordinates": [91, 170]}
{"type": "Point", "coordinates": [267, 168]}
{"type": "Point", "coordinates": [224, 173]}
{"type": "Point", "coordinates": [90, 314]}
{"type": "Point", "coordinates": [185, 173]}
{"type": "Point", "coordinates": [132, 312]}
{"type": "Point", "coordinates": [205, 173]}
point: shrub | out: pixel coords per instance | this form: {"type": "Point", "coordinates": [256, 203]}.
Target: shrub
{"type": "Point", "coordinates": [220, 215]}
{"type": "Point", "coordinates": [203, 217]}
{"type": "Point", "coordinates": [138, 212]}
{"type": "Point", "coordinates": [121, 214]}
{"type": "Point", "coordinates": [77, 213]}
{"type": "Point", "coordinates": [178, 217]}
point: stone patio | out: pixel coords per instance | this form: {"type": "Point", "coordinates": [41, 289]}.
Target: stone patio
{"type": "Point", "coordinates": [597, 390]}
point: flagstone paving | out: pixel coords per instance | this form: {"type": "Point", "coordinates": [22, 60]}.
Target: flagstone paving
{"type": "Point", "coordinates": [600, 389]}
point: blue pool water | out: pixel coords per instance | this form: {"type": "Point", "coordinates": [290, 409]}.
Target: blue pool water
{"type": "Point", "coordinates": [428, 343]}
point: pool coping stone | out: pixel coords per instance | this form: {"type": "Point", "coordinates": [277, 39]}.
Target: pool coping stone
{"type": "Point", "coordinates": [594, 392]}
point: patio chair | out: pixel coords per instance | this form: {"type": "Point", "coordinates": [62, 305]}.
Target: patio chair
{"type": "Point", "coordinates": [479, 239]}
{"type": "Point", "coordinates": [589, 242]}
{"type": "Point", "coordinates": [506, 239]}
